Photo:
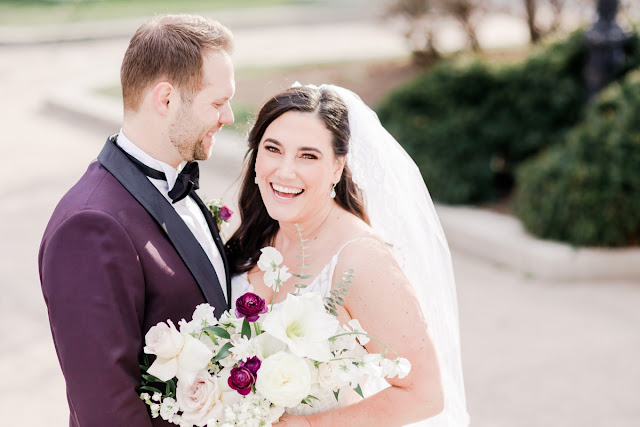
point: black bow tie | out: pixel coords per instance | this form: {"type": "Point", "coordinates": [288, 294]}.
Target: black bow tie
{"type": "Point", "coordinates": [188, 178]}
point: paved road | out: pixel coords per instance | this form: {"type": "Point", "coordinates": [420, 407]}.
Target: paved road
{"type": "Point", "coordinates": [535, 353]}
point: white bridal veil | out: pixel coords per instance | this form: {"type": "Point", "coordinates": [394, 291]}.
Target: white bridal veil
{"type": "Point", "coordinates": [402, 213]}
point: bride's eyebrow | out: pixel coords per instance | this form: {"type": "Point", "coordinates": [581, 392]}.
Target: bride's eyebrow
{"type": "Point", "coordinates": [276, 142]}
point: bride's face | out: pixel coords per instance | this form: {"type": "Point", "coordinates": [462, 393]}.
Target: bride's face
{"type": "Point", "coordinates": [296, 167]}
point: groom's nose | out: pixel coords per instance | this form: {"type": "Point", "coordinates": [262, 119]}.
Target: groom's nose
{"type": "Point", "coordinates": [226, 115]}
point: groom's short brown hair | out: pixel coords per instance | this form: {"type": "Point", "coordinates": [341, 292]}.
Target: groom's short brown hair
{"type": "Point", "coordinates": [170, 47]}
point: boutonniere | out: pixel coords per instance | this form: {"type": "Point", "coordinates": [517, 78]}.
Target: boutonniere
{"type": "Point", "coordinates": [221, 213]}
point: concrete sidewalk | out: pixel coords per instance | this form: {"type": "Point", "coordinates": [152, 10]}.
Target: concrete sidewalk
{"type": "Point", "coordinates": [535, 352]}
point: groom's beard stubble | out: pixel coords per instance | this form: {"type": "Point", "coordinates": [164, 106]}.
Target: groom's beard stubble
{"type": "Point", "coordinates": [188, 136]}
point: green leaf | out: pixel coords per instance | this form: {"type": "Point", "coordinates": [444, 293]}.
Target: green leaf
{"type": "Point", "coordinates": [339, 301]}
{"type": "Point", "coordinates": [246, 328]}
{"type": "Point", "coordinates": [216, 330]}
{"type": "Point", "coordinates": [225, 350]}
{"type": "Point", "coordinates": [151, 378]}
{"type": "Point", "coordinates": [149, 388]}
{"type": "Point", "coordinates": [336, 393]}
{"type": "Point", "coordinates": [359, 391]}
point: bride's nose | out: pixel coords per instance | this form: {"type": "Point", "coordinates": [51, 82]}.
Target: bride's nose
{"type": "Point", "coordinates": [286, 169]}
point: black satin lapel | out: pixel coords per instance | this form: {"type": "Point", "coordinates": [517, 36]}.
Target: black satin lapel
{"type": "Point", "coordinates": [216, 238]}
{"type": "Point", "coordinates": [185, 243]}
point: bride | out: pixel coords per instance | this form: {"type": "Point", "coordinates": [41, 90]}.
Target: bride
{"type": "Point", "coordinates": [320, 162]}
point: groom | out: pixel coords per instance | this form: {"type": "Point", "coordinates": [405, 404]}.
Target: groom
{"type": "Point", "coordinates": [131, 244]}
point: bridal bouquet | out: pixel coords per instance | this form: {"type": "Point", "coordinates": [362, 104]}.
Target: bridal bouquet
{"type": "Point", "coordinates": [256, 360]}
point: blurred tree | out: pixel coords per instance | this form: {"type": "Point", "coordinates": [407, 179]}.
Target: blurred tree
{"type": "Point", "coordinates": [466, 12]}
{"type": "Point", "coordinates": [419, 17]}
{"type": "Point", "coordinates": [418, 31]}
{"type": "Point", "coordinates": [536, 30]}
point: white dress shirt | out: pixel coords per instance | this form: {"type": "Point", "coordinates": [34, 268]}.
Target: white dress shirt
{"type": "Point", "coordinates": [187, 208]}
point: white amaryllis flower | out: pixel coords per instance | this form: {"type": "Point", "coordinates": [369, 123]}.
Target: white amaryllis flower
{"type": "Point", "coordinates": [192, 358]}
{"type": "Point", "coordinates": [267, 344]}
{"type": "Point", "coordinates": [303, 325]}
{"type": "Point", "coordinates": [200, 400]}
{"type": "Point", "coordinates": [164, 340]}
{"type": "Point", "coordinates": [284, 379]}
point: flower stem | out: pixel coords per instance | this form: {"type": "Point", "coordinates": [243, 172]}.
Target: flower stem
{"type": "Point", "coordinates": [333, 338]}
{"type": "Point", "coordinates": [275, 290]}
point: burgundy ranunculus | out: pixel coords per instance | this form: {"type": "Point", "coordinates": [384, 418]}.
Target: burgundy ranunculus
{"type": "Point", "coordinates": [241, 380]}
{"type": "Point", "coordinates": [225, 213]}
{"type": "Point", "coordinates": [252, 364]}
{"type": "Point", "coordinates": [250, 306]}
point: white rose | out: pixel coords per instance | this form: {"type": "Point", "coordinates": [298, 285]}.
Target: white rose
{"type": "Point", "coordinates": [200, 400]}
{"type": "Point", "coordinates": [163, 340]}
{"type": "Point", "coordinates": [284, 379]}
{"type": "Point", "coordinates": [303, 324]}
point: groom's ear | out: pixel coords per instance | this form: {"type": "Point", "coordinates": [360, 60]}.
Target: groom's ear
{"type": "Point", "coordinates": [161, 96]}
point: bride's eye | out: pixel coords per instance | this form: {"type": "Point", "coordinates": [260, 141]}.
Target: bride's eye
{"type": "Point", "coordinates": [309, 156]}
{"type": "Point", "coordinates": [271, 148]}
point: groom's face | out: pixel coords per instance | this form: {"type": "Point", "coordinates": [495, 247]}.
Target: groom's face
{"type": "Point", "coordinates": [202, 114]}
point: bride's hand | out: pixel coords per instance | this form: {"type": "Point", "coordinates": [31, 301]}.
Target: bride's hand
{"type": "Point", "coordinates": [288, 420]}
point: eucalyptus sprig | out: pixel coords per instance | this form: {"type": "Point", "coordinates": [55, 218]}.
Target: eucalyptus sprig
{"type": "Point", "coordinates": [336, 295]}
{"type": "Point", "coordinates": [304, 265]}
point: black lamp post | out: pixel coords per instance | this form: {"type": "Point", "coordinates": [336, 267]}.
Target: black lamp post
{"type": "Point", "coordinates": [605, 40]}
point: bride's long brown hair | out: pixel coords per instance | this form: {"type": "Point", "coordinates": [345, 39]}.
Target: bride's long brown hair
{"type": "Point", "coordinates": [257, 228]}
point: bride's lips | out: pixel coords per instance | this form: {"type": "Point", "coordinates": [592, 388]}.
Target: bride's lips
{"type": "Point", "coordinates": [283, 192]}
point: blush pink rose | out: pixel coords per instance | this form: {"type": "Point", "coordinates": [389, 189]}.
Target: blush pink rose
{"type": "Point", "coordinates": [200, 401]}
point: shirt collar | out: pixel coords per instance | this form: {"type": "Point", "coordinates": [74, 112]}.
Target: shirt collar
{"type": "Point", "coordinates": [132, 149]}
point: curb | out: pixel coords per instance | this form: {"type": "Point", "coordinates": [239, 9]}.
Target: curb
{"type": "Point", "coordinates": [502, 239]}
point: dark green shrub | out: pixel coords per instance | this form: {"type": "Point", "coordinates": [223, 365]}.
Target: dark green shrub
{"type": "Point", "coordinates": [438, 118]}
{"type": "Point", "coordinates": [587, 191]}
{"type": "Point", "coordinates": [469, 126]}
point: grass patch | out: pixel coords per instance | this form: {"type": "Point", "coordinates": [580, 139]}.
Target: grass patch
{"type": "Point", "coordinates": [46, 12]}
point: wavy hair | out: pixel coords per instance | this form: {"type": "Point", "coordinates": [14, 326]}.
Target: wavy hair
{"type": "Point", "coordinates": [257, 228]}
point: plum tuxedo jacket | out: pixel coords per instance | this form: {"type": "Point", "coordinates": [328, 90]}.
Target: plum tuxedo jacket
{"type": "Point", "coordinates": [115, 260]}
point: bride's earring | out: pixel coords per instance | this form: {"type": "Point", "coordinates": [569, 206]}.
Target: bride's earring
{"type": "Point", "coordinates": [333, 192]}
{"type": "Point", "coordinates": [255, 179]}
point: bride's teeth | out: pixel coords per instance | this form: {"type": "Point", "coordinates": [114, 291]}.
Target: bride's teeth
{"type": "Point", "coordinates": [281, 189]}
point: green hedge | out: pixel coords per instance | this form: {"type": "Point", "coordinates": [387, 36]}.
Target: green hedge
{"type": "Point", "coordinates": [587, 192]}
{"type": "Point", "coordinates": [469, 126]}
